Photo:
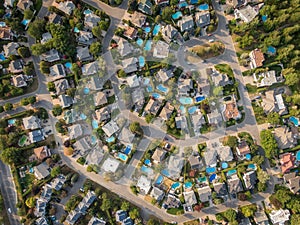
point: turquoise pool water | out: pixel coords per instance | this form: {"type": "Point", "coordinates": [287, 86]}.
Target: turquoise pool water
{"type": "Point", "coordinates": [165, 172]}
{"type": "Point", "coordinates": [271, 50]}
{"type": "Point", "coordinates": [86, 91]}
{"type": "Point", "coordinates": [139, 41]}
{"type": "Point", "coordinates": [193, 2]}
{"type": "Point", "coordinates": [110, 139]}
{"type": "Point", "coordinates": [231, 172]}
{"type": "Point", "coordinates": [177, 15]}
{"type": "Point", "coordinates": [147, 29]}
{"type": "Point", "coordinates": [76, 30]}
{"type": "Point", "coordinates": [25, 22]}
{"type": "Point", "coordinates": [183, 4]}
{"type": "Point", "coordinates": [87, 11]}
{"type": "Point", "coordinates": [11, 121]}
{"type": "Point", "coordinates": [210, 169]}
{"type": "Point", "coordinates": [212, 177]}
{"type": "Point", "coordinates": [156, 29]}
{"type": "Point", "coordinates": [186, 100]}
{"type": "Point", "coordinates": [298, 156]}
{"type": "Point", "coordinates": [203, 7]}
{"type": "Point", "coordinates": [188, 184]}
{"type": "Point", "coordinates": [264, 18]}
{"type": "Point", "coordinates": [147, 162]}
{"type": "Point", "coordinates": [175, 185]}
{"type": "Point", "coordinates": [68, 65]}
{"type": "Point", "coordinates": [202, 179]}
{"type": "Point", "coordinates": [248, 156]}
{"type": "Point", "coordinates": [2, 57]}
{"type": "Point", "coordinates": [127, 150]}
{"type": "Point", "coordinates": [192, 109]}
{"type": "Point", "coordinates": [2, 24]}
{"type": "Point", "coordinates": [95, 124]}
{"type": "Point", "coordinates": [199, 98]}
{"type": "Point", "coordinates": [146, 169]}
{"type": "Point", "coordinates": [251, 167]}
{"type": "Point", "coordinates": [162, 88]}
{"type": "Point", "coordinates": [93, 140]}
{"type": "Point", "coordinates": [294, 120]}
{"type": "Point", "coordinates": [159, 180]}
{"type": "Point", "coordinates": [148, 45]}
{"type": "Point", "coordinates": [82, 116]}
{"type": "Point", "coordinates": [149, 88]}
{"type": "Point", "coordinates": [141, 61]}
{"type": "Point", "coordinates": [224, 165]}
{"type": "Point", "coordinates": [182, 109]}
{"type": "Point", "coordinates": [122, 156]}
{"type": "Point", "coordinates": [155, 95]}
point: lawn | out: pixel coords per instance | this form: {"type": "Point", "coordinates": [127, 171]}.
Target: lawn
{"type": "Point", "coordinates": [225, 68]}
{"type": "Point", "coordinates": [208, 50]}
{"type": "Point", "coordinates": [176, 211]}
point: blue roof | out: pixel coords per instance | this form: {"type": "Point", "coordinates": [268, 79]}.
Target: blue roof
{"type": "Point", "coordinates": [121, 215]}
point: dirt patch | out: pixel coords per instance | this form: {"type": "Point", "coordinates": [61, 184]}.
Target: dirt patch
{"type": "Point", "coordinates": [208, 50]}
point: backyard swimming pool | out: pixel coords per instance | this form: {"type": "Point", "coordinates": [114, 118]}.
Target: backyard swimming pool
{"type": "Point", "coordinates": [224, 165]}
{"type": "Point", "coordinates": [156, 95]}
{"type": "Point", "coordinates": [87, 11]}
{"type": "Point", "coordinates": [76, 30]}
{"type": "Point", "coordinates": [146, 81]}
{"type": "Point", "coordinates": [68, 65]}
{"type": "Point", "coordinates": [22, 140]}
{"type": "Point", "coordinates": [11, 121]}
{"type": "Point", "coordinates": [86, 90]}
{"type": "Point", "coordinates": [165, 172]}
{"type": "Point", "coordinates": [127, 150]}
{"type": "Point", "coordinates": [186, 100]}
{"type": "Point", "coordinates": [82, 116]}
{"type": "Point", "coordinates": [149, 88]}
{"type": "Point", "coordinates": [231, 172]}
{"type": "Point", "coordinates": [25, 22]}
{"type": "Point", "coordinates": [93, 140]}
{"type": "Point", "coordinates": [156, 29]}
{"type": "Point", "coordinates": [183, 4]}
{"type": "Point", "coordinates": [2, 24]}
{"type": "Point", "coordinates": [210, 169]}
{"type": "Point", "coordinates": [251, 167]}
{"type": "Point", "coordinates": [298, 156]}
{"type": "Point", "coordinates": [192, 110]}
{"type": "Point", "coordinates": [148, 45]}
{"type": "Point", "coordinates": [248, 156]}
{"type": "Point", "coordinates": [203, 7]}
{"type": "Point", "coordinates": [110, 139]}
{"type": "Point", "coordinates": [95, 124]}
{"type": "Point", "coordinates": [122, 156]}
{"type": "Point", "coordinates": [159, 180]}
{"type": "Point", "coordinates": [175, 185]}
{"type": "Point", "coordinates": [147, 29]}
{"type": "Point", "coordinates": [141, 61]}
{"type": "Point", "coordinates": [199, 98]}
{"type": "Point", "coordinates": [182, 109]}
{"type": "Point", "coordinates": [294, 120]}
{"type": "Point", "coordinates": [162, 88]}
{"type": "Point", "coordinates": [139, 41]}
{"type": "Point", "coordinates": [188, 185]}
{"type": "Point", "coordinates": [147, 162]}
{"type": "Point", "coordinates": [176, 15]}
{"type": "Point", "coordinates": [202, 179]}
{"type": "Point", "coordinates": [264, 18]}
{"type": "Point", "coordinates": [146, 169]}
{"type": "Point", "coordinates": [271, 50]}
{"type": "Point", "coordinates": [212, 177]}
{"type": "Point", "coordinates": [2, 57]}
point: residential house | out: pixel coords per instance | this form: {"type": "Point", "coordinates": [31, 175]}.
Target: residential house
{"type": "Point", "coordinates": [54, 18]}
{"type": "Point", "coordinates": [214, 117]}
{"type": "Point", "coordinates": [169, 33]}
{"type": "Point", "coordinates": [287, 162]}
{"type": "Point", "coordinates": [284, 137]}
{"type": "Point", "coordinates": [171, 202]}
{"type": "Point", "coordinates": [96, 83]}
{"type": "Point", "coordinates": [11, 49]}
{"type": "Point", "coordinates": [180, 122]}
{"type": "Point", "coordinates": [157, 194]}
{"type": "Point", "coordinates": [202, 18]}
{"type": "Point", "coordinates": [90, 68]}
{"type": "Point", "coordinates": [261, 218]}
{"type": "Point", "coordinates": [158, 155]}
{"type": "Point", "coordinates": [204, 193]}
{"type": "Point", "coordinates": [82, 145]}
{"type": "Point", "coordinates": [145, 6]}
{"type": "Point", "coordinates": [279, 217]}
{"type": "Point", "coordinates": [58, 182]}
{"type": "Point", "coordinates": [50, 56]}
{"type": "Point", "coordinates": [96, 221]}
{"type": "Point", "coordinates": [36, 136]}
{"type": "Point", "coordinates": [124, 48]}
{"type": "Point", "coordinates": [65, 101]}
{"type": "Point", "coordinates": [24, 4]}
{"type": "Point", "coordinates": [144, 185]}
{"type": "Point", "coordinates": [85, 37]}
{"type": "Point", "coordinates": [257, 58]}
{"type": "Point", "coordinates": [190, 197]}
{"type": "Point", "coordinates": [133, 81]}
{"type": "Point", "coordinates": [197, 120]}
{"type": "Point", "coordinates": [19, 80]}
{"type": "Point", "coordinates": [138, 19]}
{"type": "Point", "coordinates": [130, 65]}
{"type": "Point", "coordinates": [61, 86]}
{"type": "Point", "coordinates": [75, 131]}
{"type": "Point", "coordinates": [163, 75]}
{"type": "Point", "coordinates": [210, 157]}
{"type": "Point", "coordinates": [161, 50]}
{"type": "Point", "coordinates": [9, 3]}
{"type": "Point", "coordinates": [72, 217]}
{"type": "Point", "coordinates": [31, 123]}
{"type": "Point", "coordinates": [250, 179]}
{"type": "Point", "coordinates": [126, 136]}
{"type": "Point", "coordinates": [67, 7]}
{"type": "Point", "coordinates": [46, 192]}
{"type": "Point", "coordinates": [292, 181]}
{"type": "Point", "coordinates": [91, 20]}
{"type": "Point", "coordinates": [100, 99]}
{"type": "Point", "coordinates": [195, 161]}
{"type": "Point", "coordinates": [57, 71]}
{"type": "Point", "coordinates": [234, 184]}
{"type": "Point", "coordinates": [83, 54]}
{"type": "Point", "coordinates": [40, 208]}
{"type": "Point", "coordinates": [175, 165]}
{"type": "Point", "coordinates": [166, 111]}
{"type": "Point", "coordinates": [265, 79]}
{"type": "Point", "coordinates": [273, 103]}
{"type": "Point", "coordinates": [138, 98]}
{"type": "Point", "coordinates": [110, 128]}
{"type": "Point", "coordinates": [185, 86]}
{"type": "Point", "coordinates": [16, 66]}
{"type": "Point", "coordinates": [243, 148]}
{"type": "Point", "coordinates": [247, 13]}
{"type": "Point", "coordinates": [102, 114]}
{"type": "Point", "coordinates": [46, 37]}
{"type": "Point", "coordinates": [41, 221]}
{"type": "Point", "coordinates": [41, 171]}
{"type": "Point", "coordinates": [130, 32]}
{"type": "Point", "coordinates": [110, 165]}
{"type": "Point", "coordinates": [224, 153]}
{"type": "Point", "coordinates": [152, 106]}
{"type": "Point", "coordinates": [94, 157]}
{"type": "Point", "coordinates": [5, 33]}
{"type": "Point", "coordinates": [230, 109]}
{"type": "Point", "coordinates": [218, 78]}
{"type": "Point", "coordinates": [186, 23]}
{"type": "Point", "coordinates": [42, 152]}
{"type": "Point", "coordinates": [220, 189]}
{"type": "Point", "coordinates": [121, 215]}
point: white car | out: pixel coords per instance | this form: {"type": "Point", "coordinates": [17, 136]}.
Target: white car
{"type": "Point", "coordinates": [9, 210]}
{"type": "Point", "coordinates": [211, 40]}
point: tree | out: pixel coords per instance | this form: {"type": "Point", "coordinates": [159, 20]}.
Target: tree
{"type": "Point", "coordinates": [134, 213]}
{"type": "Point", "coordinates": [36, 28]}
{"type": "Point", "coordinates": [38, 49]}
{"type": "Point", "coordinates": [57, 110]}
{"type": "Point", "coordinates": [230, 215]}
{"type": "Point", "coordinates": [132, 5]}
{"type": "Point", "coordinates": [74, 178]}
{"type": "Point", "coordinates": [68, 151]}
{"type": "Point", "coordinates": [28, 14]}
{"type": "Point", "coordinates": [24, 52]}
{"type": "Point", "coordinates": [294, 205]}
{"type": "Point", "coordinates": [44, 66]}
{"type": "Point", "coordinates": [106, 204]}
{"type": "Point", "coordinates": [10, 155]}
{"type": "Point", "coordinates": [89, 168]}
{"type": "Point", "coordinates": [121, 73]}
{"type": "Point", "coordinates": [262, 176]}
{"type": "Point", "coordinates": [167, 13]}
{"type": "Point", "coordinates": [51, 86]}
{"type": "Point", "coordinates": [292, 79]}
{"type": "Point", "coordinates": [24, 101]}
{"type": "Point", "coordinates": [30, 202]}
{"type": "Point", "coordinates": [31, 99]}
{"type": "Point", "coordinates": [268, 143]}
{"type": "Point", "coordinates": [95, 49]}
{"type": "Point", "coordinates": [273, 118]}
{"type": "Point", "coordinates": [97, 32]}
{"type": "Point", "coordinates": [248, 210]}
{"type": "Point", "coordinates": [258, 159]}
{"type": "Point", "coordinates": [174, 2]}
{"type": "Point", "coordinates": [8, 106]}
{"type": "Point", "coordinates": [103, 25]}
{"type": "Point", "coordinates": [60, 127]}
{"type": "Point", "coordinates": [231, 141]}
{"type": "Point", "coordinates": [217, 91]}
{"type": "Point", "coordinates": [125, 206]}
{"type": "Point", "coordinates": [158, 19]}
{"type": "Point", "coordinates": [295, 219]}
{"type": "Point", "coordinates": [135, 127]}
{"type": "Point", "coordinates": [283, 196]}
{"type": "Point", "coordinates": [55, 171]}
{"type": "Point", "coordinates": [71, 92]}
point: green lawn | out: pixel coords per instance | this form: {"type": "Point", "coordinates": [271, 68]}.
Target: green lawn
{"type": "Point", "coordinates": [225, 68]}
{"type": "Point", "coordinates": [176, 211]}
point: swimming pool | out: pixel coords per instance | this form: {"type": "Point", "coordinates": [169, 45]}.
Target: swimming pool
{"type": "Point", "coordinates": [110, 139]}
{"type": "Point", "coordinates": [165, 172]}
{"type": "Point", "coordinates": [148, 45]}
{"type": "Point", "coordinates": [68, 65]}
{"type": "Point", "coordinates": [298, 156]}
{"type": "Point", "coordinates": [271, 50]}
{"type": "Point", "coordinates": [294, 120]}
{"type": "Point", "coordinates": [11, 121]}
{"type": "Point", "coordinates": [141, 61]}
{"type": "Point", "coordinates": [82, 116]}
{"type": "Point", "coordinates": [156, 29]}
{"type": "Point", "coordinates": [193, 2]}
{"type": "Point", "coordinates": [224, 165]}
{"type": "Point", "coordinates": [155, 95]}
{"type": "Point", "coordinates": [188, 185]}
{"type": "Point", "coordinates": [264, 18]}
{"type": "Point", "coordinates": [212, 177]}
{"type": "Point", "coordinates": [25, 22]}
{"type": "Point", "coordinates": [146, 169]}
{"type": "Point", "coordinates": [199, 98]}
{"type": "Point", "coordinates": [146, 81]}
{"type": "Point", "coordinates": [149, 88]}
{"type": "Point", "coordinates": [7, 15]}
{"type": "Point", "coordinates": [86, 90]}
{"type": "Point", "coordinates": [122, 156]}
{"type": "Point", "coordinates": [139, 41]}
{"type": "Point", "coordinates": [76, 30]}
{"type": "Point", "coordinates": [183, 4]}
{"type": "Point", "coordinates": [147, 162]}
{"type": "Point", "coordinates": [87, 11]}
{"type": "Point", "coordinates": [192, 109]}
{"type": "Point", "coordinates": [231, 172]}
{"type": "Point", "coordinates": [248, 156]}
{"type": "Point", "coordinates": [93, 140]}
{"type": "Point", "coordinates": [2, 24]}
{"type": "Point", "coordinates": [162, 88]}
{"type": "Point", "coordinates": [175, 185]}
{"type": "Point", "coordinates": [147, 29]}
{"type": "Point", "coordinates": [203, 7]}
{"type": "Point", "coordinates": [251, 167]}
{"type": "Point", "coordinates": [159, 180]}
{"type": "Point", "coordinates": [210, 169]}
{"type": "Point", "coordinates": [22, 140]}
{"type": "Point", "coordinates": [95, 124]}
{"type": "Point", "coordinates": [182, 109]}
{"type": "Point", "coordinates": [127, 150]}
{"type": "Point", "coordinates": [176, 15]}
{"type": "Point", "coordinates": [202, 179]}
{"type": "Point", "coordinates": [185, 100]}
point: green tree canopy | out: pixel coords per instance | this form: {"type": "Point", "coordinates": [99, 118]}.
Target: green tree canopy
{"type": "Point", "coordinates": [30, 202]}
{"type": "Point", "coordinates": [268, 143]}
{"type": "Point", "coordinates": [273, 118]}
{"type": "Point", "coordinates": [95, 49]}
{"type": "Point", "coordinates": [36, 28]}
{"type": "Point", "coordinates": [230, 215]}
{"type": "Point", "coordinates": [24, 52]}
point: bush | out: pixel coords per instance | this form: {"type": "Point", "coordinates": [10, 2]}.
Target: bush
{"type": "Point", "coordinates": [74, 178]}
{"type": "Point", "coordinates": [24, 52]}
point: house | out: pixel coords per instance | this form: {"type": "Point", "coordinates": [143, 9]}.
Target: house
{"type": "Point", "coordinates": [130, 65]}
{"type": "Point", "coordinates": [5, 33]}
{"type": "Point", "coordinates": [144, 185]}
{"type": "Point", "coordinates": [292, 181]}
{"type": "Point", "coordinates": [126, 136]}
{"type": "Point", "coordinates": [46, 37]}
{"type": "Point", "coordinates": [58, 182]}
{"type": "Point", "coordinates": [11, 49]}
{"type": "Point", "coordinates": [169, 33]}
{"type": "Point", "coordinates": [65, 101]}
{"type": "Point", "coordinates": [195, 161]}
{"type": "Point", "coordinates": [61, 86]}
{"type": "Point", "coordinates": [36, 136]}
{"type": "Point", "coordinates": [273, 103]}
{"type": "Point", "coordinates": [236, 3]}
{"type": "Point", "coordinates": [82, 145]}
{"type": "Point", "coordinates": [67, 7]}
{"type": "Point", "coordinates": [133, 81]}
{"type": "Point", "coordinates": [197, 120]}
{"type": "Point", "coordinates": [100, 99]}
{"type": "Point", "coordinates": [83, 54]}
{"type": "Point", "coordinates": [54, 18]}
{"type": "Point", "coordinates": [72, 217]}
{"type": "Point", "coordinates": [202, 18]}
{"type": "Point", "coordinates": [50, 56]}
{"type": "Point", "coordinates": [145, 6]}
{"type": "Point", "coordinates": [220, 189]}
{"type": "Point", "coordinates": [158, 155]}
{"type": "Point", "coordinates": [261, 218]}
{"type": "Point", "coordinates": [40, 208]}
{"type": "Point", "coordinates": [265, 79]}
{"type": "Point", "coordinates": [171, 202]}
{"type": "Point", "coordinates": [96, 221]}
{"type": "Point", "coordinates": [163, 75]}
{"type": "Point", "coordinates": [102, 114]}
{"type": "Point", "coordinates": [186, 23]}
{"type": "Point", "coordinates": [279, 217]}
{"type": "Point", "coordinates": [124, 48]}
{"type": "Point", "coordinates": [42, 152]}
{"type": "Point", "coordinates": [152, 106]}
{"type": "Point", "coordinates": [175, 165]}
{"type": "Point", "coordinates": [224, 153]}
{"type": "Point", "coordinates": [230, 109]}
{"type": "Point", "coordinates": [24, 4]}
{"type": "Point", "coordinates": [247, 13]}
{"type": "Point", "coordinates": [180, 122]}
{"type": "Point", "coordinates": [218, 78]}
{"type": "Point", "coordinates": [9, 3]}
{"type": "Point", "coordinates": [75, 131]}
{"type": "Point", "coordinates": [57, 71]}
{"type": "Point", "coordinates": [284, 137]}
{"type": "Point", "coordinates": [250, 179]}
{"type": "Point", "coordinates": [19, 80]}
{"type": "Point", "coordinates": [110, 165]}
{"type": "Point", "coordinates": [190, 197]}
{"type": "Point", "coordinates": [121, 215]}
{"type": "Point", "coordinates": [91, 20]}
{"type": "Point", "coordinates": [161, 50]}
{"type": "Point", "coordinates": [204, 193]}
{"type": "Point", "coordinates": [46, 192]}
{"type": "Point", "coordinates": [234, 184]}
{"type": "Point", "coordinates": [287, 162]}
{"type": "Point", "coordinates": [214, 117]}
{"type": "Point", "coordinates": [243, 148]}
{"type": "Point", "coordinates": [90, 68]}
{"type": "Point", "coordinates": [41, 221]}
{"type": "Point", "coordinates": [41, 171]}
{"type": "Point", "coordinates": [130, 32]}
{"type": "Point", "coordinates": [138, 19]}
{"type": "Point", "coordinates": [110, 128]}
{"type": "Point", "coordinates": [94, 157]}
{"type": "Point", "coordinates": [16, 66]}
{"type": "Point", "coordinates": [157, 194]}
{"type": "Point", "coordinates": [257, 58]}
{"type": "Point", "coordinates": [138, 98]}
{"type": "Point", "coordinates": [96, 83]}
{"type": "Point", "coordinates": [210, 157]}
{"type": "Point", "coordinates": [85, 37]}
{"type": "Point", "coordinates": [185, 86]}
{"type": "Point", "coordinates": [166, 111]}
{"type": "Point", "coordinates": [31, 123]}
